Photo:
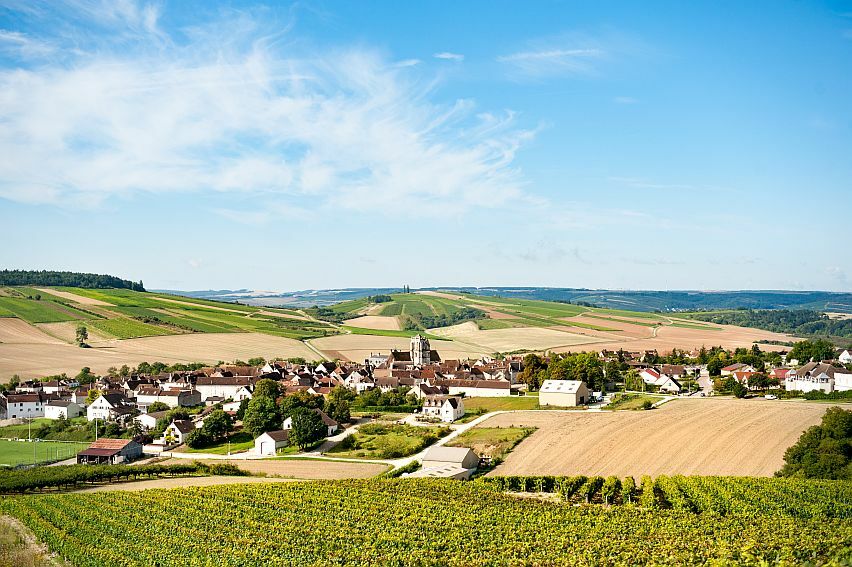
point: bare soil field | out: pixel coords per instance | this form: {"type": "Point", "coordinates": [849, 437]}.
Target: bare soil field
{"type": "Point", "coordinates": [67, 332]}
{"type": "Point", "coordinates": [686, 436]}
{"type": "Point", "coordinates": [311, 469]}
{"type": "Point", "coordinates": [82, 300]}
{"type": "Point", "coordinates": [358, 347]}
{"type": "Point", "coordinates": [624, 330]}
{"type": "Point", "coordinates": [378, 322]}
{"type": "Point", "coordinates": [503, 340]}
{"type": "Point", "coordinates": [16, 331]}
{"type": "Point", "coordinates": [43, 359]}
{"type": "Point", "coordinates": [137, 486]}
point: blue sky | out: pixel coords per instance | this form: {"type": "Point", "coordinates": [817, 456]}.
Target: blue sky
{"type": "Point", "coordinates": [652, 145]}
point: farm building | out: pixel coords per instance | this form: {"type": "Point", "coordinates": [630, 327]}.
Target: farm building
{"type": "Point", "coordinates": [447, 408]}
{"type": "Point", "coordinates": [271, 441]}
{"type": "Point", "coordinates": [60, 409]}
{"type": "Point", "coordinates": [447, 462]}
{"type": "Point", "coordinates": [563, 393]}
{"type": "Point", "coordinates": [110, 452]}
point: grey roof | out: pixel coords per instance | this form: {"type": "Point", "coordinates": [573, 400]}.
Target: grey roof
{"type": "Point", "coordinates": [447, 454]}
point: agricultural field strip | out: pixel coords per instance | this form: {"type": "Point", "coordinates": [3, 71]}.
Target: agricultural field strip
{"type": "Point", "coordinates": [379, 521]}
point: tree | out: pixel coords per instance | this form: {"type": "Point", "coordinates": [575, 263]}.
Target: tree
{"type": "Point", "coordinates": [739, 390]}
{"type": "Point", "coordinates": [268, 388]}
{"type": "Point", "coordinates": [241, 411]}
{"type": "Point", "coordinates": [261, 415]}
{"type": "Point", "coordinates": [158, 406]}
{"type": "Point", "coordinates": [217, 425]}
{"type": "Point", "coordinates": [85, 376]}
{"type": "Point", "coordinates": [823, 451]}
{"type": "Point", "coordinates": [92, 396]}
{"type": "Point", "coordinates": [715, 366]}
{"type": "Point", "coordinates": [805, 351]}
{"type": "Point", "coordinates": [197, 439]}
{"type": "Point", "coordinates": [82, 335]}
{"type": "Point", "coordinates": [308, 427]}
{"type": "Point", "coordinates": [257, 361]}
{"type": "Point", "coordinates": [300, 400]}
{"type": "Point", "coordinates": [339, 411]}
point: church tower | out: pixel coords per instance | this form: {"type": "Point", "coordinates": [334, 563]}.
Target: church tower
{"type": "Point", "coordinates": [421, 352]}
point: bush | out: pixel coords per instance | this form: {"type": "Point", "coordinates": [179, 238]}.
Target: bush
{"type": "Point", "coordinates": [647, 404]}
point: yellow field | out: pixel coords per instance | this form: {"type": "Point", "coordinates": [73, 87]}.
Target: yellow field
{"type": "Point", "coordinates": [505, 340]}
{"type": "Point", "coordinates": [47, 358]}
{"type": "Point", "coordinates": [693, 436]}
{"type": "Point", "coordinates": [378, 322]}
{"type": "Point", "coordinates": [358, 347]}
{"type": "Point", "coordinates": [15, 331]}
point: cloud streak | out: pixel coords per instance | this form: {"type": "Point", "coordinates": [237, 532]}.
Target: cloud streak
{"type": "Point", "coordinates": [234, 114]}
{"type": "Point", "coordinates": [449, 56]}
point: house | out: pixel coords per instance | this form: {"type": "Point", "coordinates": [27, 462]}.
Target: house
{"type": "Point", "coordinates": [447, 462]}
{"type": "Point", "coordinates": [845, 356]}
{"type": "Point", "coordinates": [782, 374]}
{"type": "Point", "coordinates": [177, 431]}
{"type": "Point", "coordinates": [61, 409]}
{"type": "Point", "coordinates": [676, 371]}
{"type": "Point", "coordinates": [146, 395]}
{"type": "Point", "coordinates": [271, 441]}
{"type": "Point", "coordinates": [331, 425]}
{"type": "Point", "coordinates": [52, 387]}
{"type": "Point", "coordinates": [110, 452]}
{"type": "Point", "coordinates": [225, 387]}
{"type": "Point", "coordinates": [23, 405]}
{"type": "Point", "coordinates": [563, 393]}
{"type": "Point", "coordinates": [649, 375]}
{"type": "Point", "coordinates": [149, 420]}
{"type": "Point", "coordinates": [668, 384]}
{"type": "Point", "coordinates": [737, 367]}
{"type": "Point", "coordinates": [476, 388]}
{"type": "Point", "coordinates": [665, 382]}
{"type": "Point", "coordinates": [820, 376]}
{"type": "Point", "coordinates": [110, 407]}
{"type": "Point", "coordinates": [446, 408]}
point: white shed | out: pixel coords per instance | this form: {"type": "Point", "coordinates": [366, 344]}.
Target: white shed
{"type": "Point", "coordinates": [563, 393]}
{"type": "Point", "coordinates": [57, 409]}
{"type": "Point", "coordinates": [269, 442]}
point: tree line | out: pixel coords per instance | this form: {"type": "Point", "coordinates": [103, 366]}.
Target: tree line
{"type": "Point", "coordinates": [67, 279]}
{"type": "Point", "coordinates": [420, 322]}
{"type": "Point", "coordinates": [794, 321]}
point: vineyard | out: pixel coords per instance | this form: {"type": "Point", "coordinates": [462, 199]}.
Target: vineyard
{"type": "Point", "coordinates": [670, 520]}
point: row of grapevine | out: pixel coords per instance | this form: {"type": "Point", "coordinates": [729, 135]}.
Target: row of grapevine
{"type": "Point", "coordinates": [440, 522]}
{"type": "Point", "coordinates": [717, 495]}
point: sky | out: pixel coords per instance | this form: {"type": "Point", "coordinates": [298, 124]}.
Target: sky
{"type": "Point", "coordinates": [320, 144]}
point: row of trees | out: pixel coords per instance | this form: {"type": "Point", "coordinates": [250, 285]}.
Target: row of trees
{"type": "Point", "coordinates": [794, 321]}
{"type": "Point", "coordinates": [583, 366]}
{"type": "Point", "coordinates": [415, 322]}
{"type": "Point", "coordinates": [68, 279]}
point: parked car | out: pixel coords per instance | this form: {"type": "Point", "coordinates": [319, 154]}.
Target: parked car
{"type": "Point", "coordinates": [770, 397]}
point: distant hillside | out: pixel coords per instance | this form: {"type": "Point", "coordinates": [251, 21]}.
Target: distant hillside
{"type": "Point", "coordinates": [668, 301]}
{"type": "Point", "coordinates": [66, 279]}
{"type": "Point", "coordinates": [303, 298]}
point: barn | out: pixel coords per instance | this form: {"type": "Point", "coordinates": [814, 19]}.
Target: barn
{"type": "Point", "coordinates": [271, 441]}
{"type": "Point", "coordinates": [563, 393]}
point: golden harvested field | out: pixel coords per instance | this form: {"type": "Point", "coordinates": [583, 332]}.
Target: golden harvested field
{"type": "Point", "coordinates": [503, 340]}
{"type": "Point", "coordinates": [16, 331]}
{"type": "Point", "coordinates": [378, 322]}
{"type": "Point", "coordinates": [669, 337]}
{"type": "Point", "coordinates": [358, 347]}
{"type": "Point", "coordinates": [67, 332]}
{"type": "Point", "coordinates": [309, 468]}
{"type": "Point", "coordinates": [699, 436]}
{"type": "Point", "coordinates": [43, 359]}
{"type": "Point", "coordinates": [82, 300]}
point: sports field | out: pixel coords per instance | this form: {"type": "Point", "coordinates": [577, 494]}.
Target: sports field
{"type": "Point", "coordinates": [13, 453]}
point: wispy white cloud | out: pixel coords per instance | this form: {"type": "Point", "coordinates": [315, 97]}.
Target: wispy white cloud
{"type": "Point", "coordinates": [449, 56]}
{"type": "Point", "coordinates": [554, 61]}
{"type": "Point", "coordinates": [625, 100]}
{"type": "Point", "coordinates": [23, 46]}
{"type": "Point", "coordinates": [407, 63]}
{"type": "Point", "coordinates": [228, 112]}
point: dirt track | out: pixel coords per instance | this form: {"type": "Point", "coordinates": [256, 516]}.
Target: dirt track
{"type": "Point", "coordinates": [181, 483]}
{"type": "Point", "coordinates": [685, 436]}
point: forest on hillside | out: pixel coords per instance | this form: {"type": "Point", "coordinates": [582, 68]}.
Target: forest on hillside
{"type": "Point", "coordinates": [67, 279]}
{"type": "Point", "coordinates": [800, 322]}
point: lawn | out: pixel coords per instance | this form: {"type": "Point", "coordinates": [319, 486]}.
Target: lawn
{"type": "Point", "coordinates": [631, 401]}
{"type": "Point", "coordinates": [380, 441]}
{"type": "Point", "coordinates": [240, 441]}
{"type": "Point", "coordinates": [494, 442]}
{"type": "Point", "coordinates": [22, 431]}
{"type": "Point", "coordinates": [503, 403]}
{"type": "Point", "coordinates": [22, 452]}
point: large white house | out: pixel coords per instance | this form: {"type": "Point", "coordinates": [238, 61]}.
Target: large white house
{"type": "Point", "coordinates": [110, 407]}
{"type": "Point", "coordinates": [446, 408]}
{"type": "Point", "coordinates": [563, 393]}
{"type": "Point", "coordinates": [145, 396]}
{"type": "Point", "coordinates": [26, 405]}
{"type": "Point", "coordinates": [225, 387]}
{"type": "Point", "coordinates": [61, 409]}
{"type": "Point", "coordinates": [820, 376]}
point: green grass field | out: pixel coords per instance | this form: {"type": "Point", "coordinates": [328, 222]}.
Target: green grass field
{"type": "Point", "coordinates": [485, 405]}
{"type": "Point", "coordinates": [14, 453]}
{"type": "Point", "coordinates": [240, 441]}
{"type": "Point", "coordinates": [631, 401]}
{"type": "Point", "coordinates": [128, 328]}
{"type": "Point", "coordinates": [43, 311]}
{"type": "Point", "coordinates": [494, 442]}
{"type": "Point", "coordinates": [381, 441]}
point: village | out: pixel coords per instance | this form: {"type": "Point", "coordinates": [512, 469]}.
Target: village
{"type": "Point", "coordinates": [159, 415]}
